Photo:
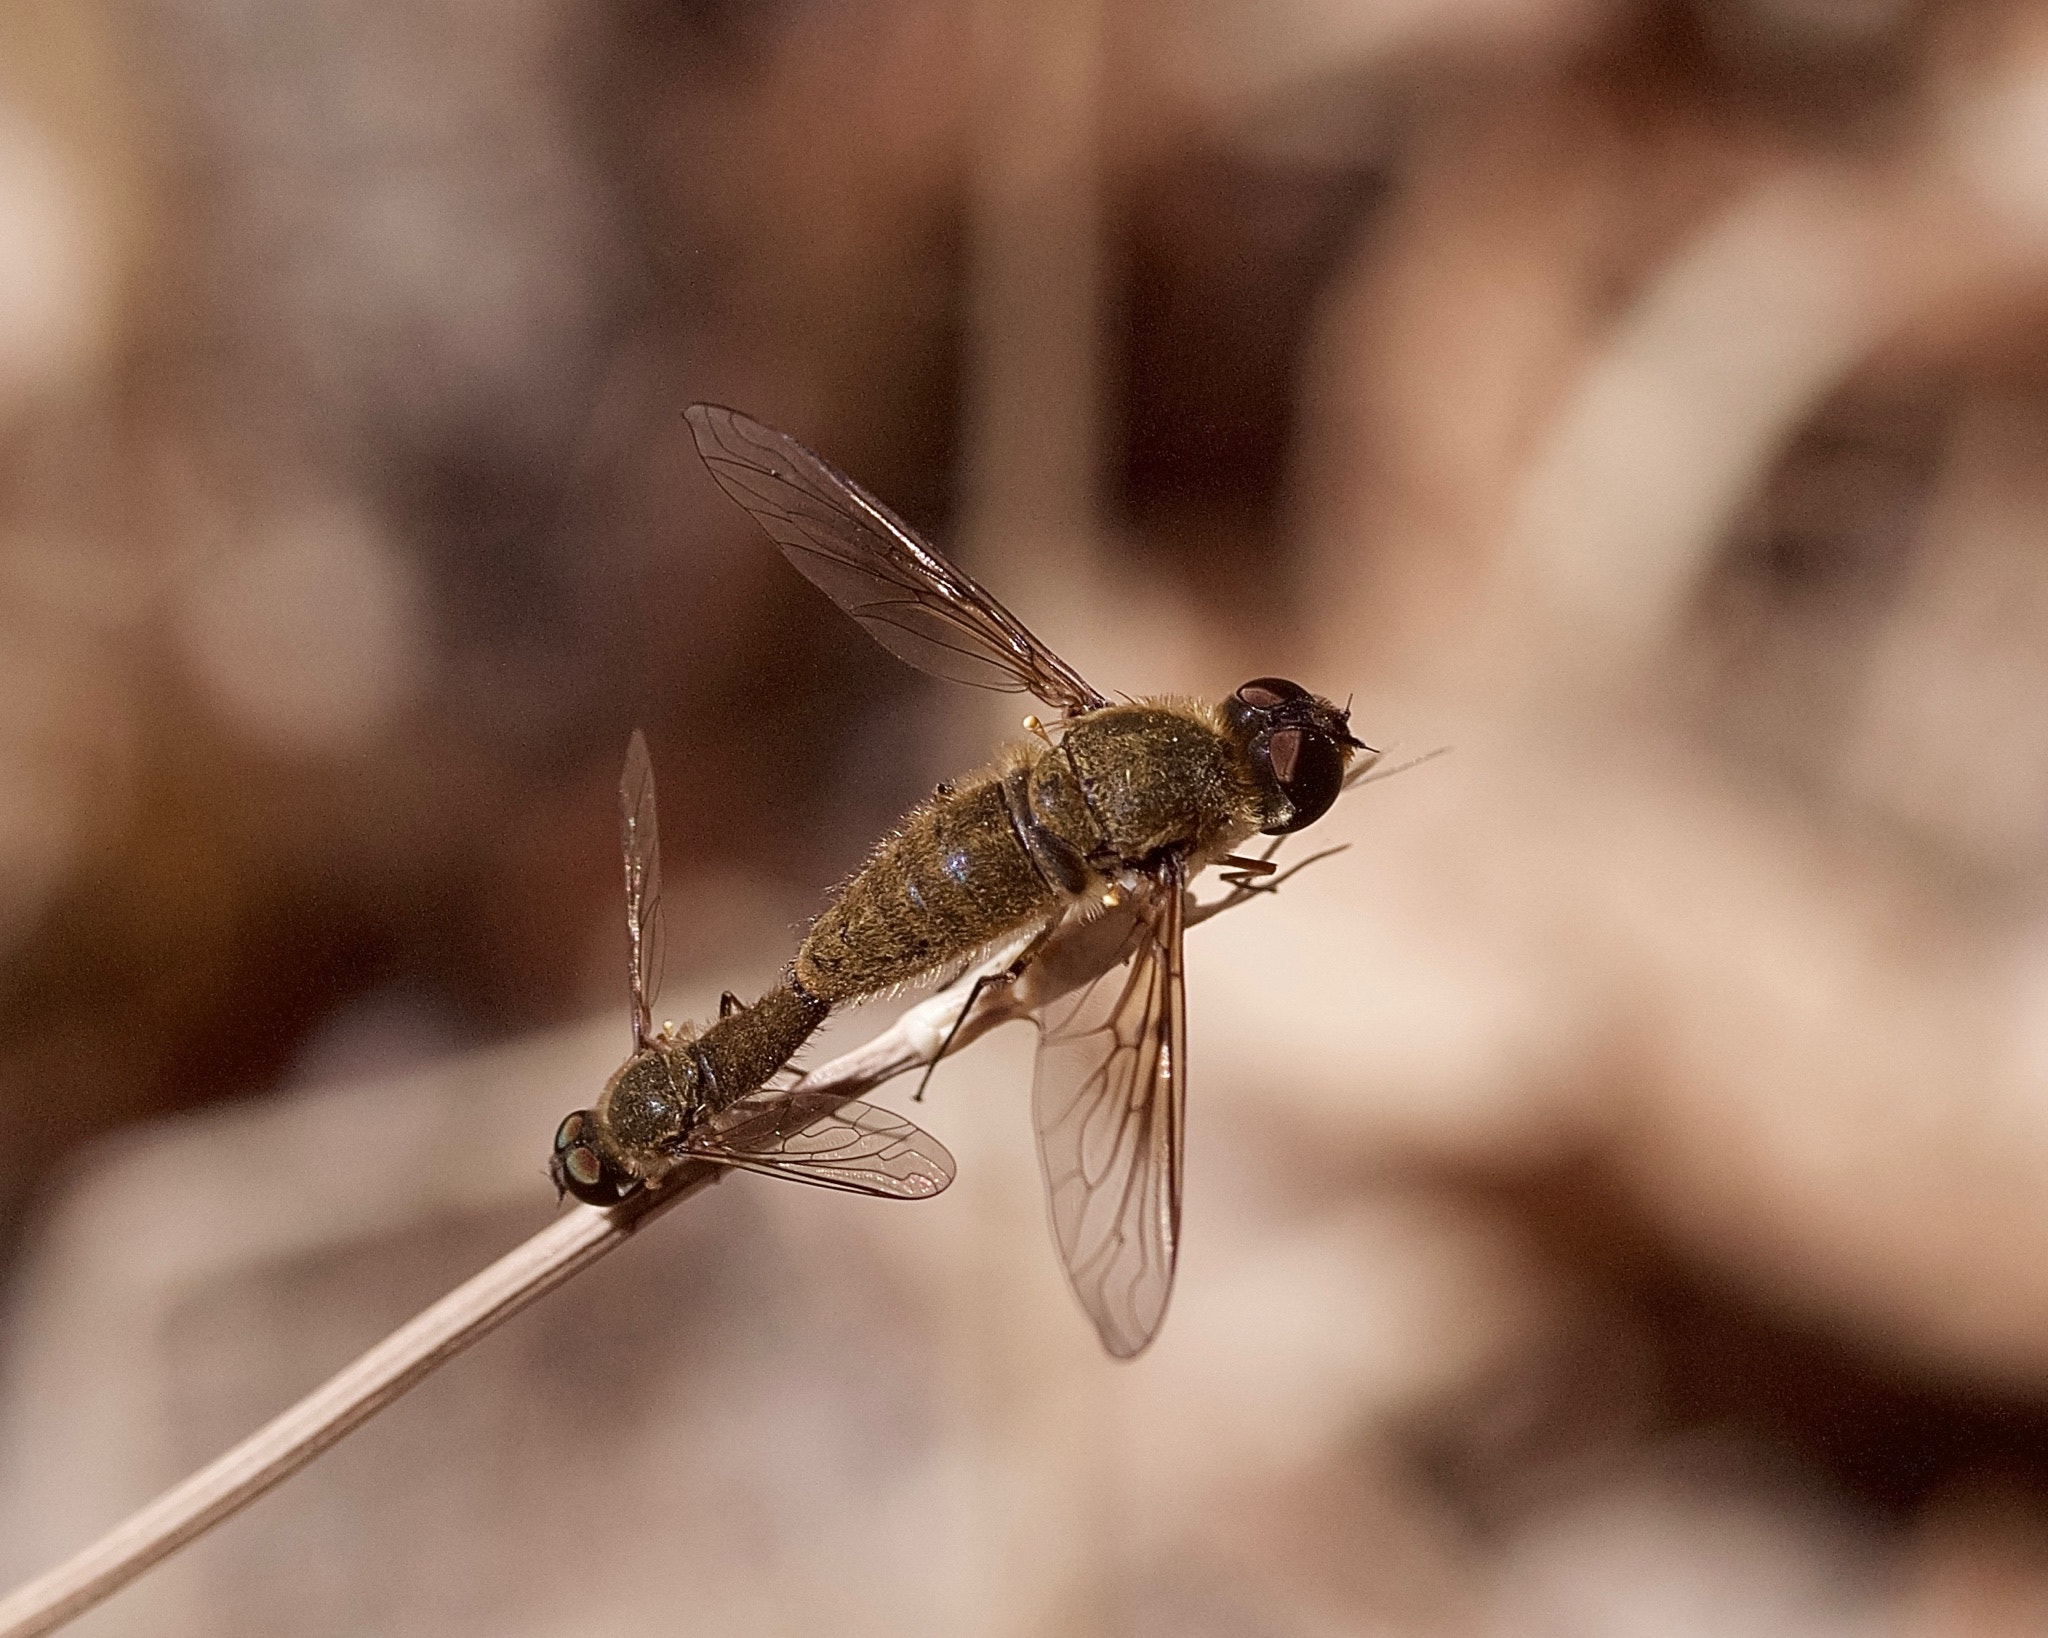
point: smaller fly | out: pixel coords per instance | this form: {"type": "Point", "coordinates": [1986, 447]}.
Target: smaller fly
{"type": "Point", "coordinates": [809, 1137]}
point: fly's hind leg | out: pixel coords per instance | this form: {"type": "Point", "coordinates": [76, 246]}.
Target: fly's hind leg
{"type": "Point", "coordinates": [987, 981]}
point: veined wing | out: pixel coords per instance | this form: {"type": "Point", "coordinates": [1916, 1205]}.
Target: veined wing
{"type": "Point", "coordinates": [1108, 1099]}
{"type": "Point", "coordinates": [814, 1138]}
{"type": "Point", "coordinates": [903, 590]}
{"type": "Point", "coordinates": [640, 841]}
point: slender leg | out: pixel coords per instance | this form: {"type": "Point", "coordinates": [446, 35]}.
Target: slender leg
{"type": "Point", "coordinates": [1244, 887]}
{"type": "Point", "coordinates": [1249, 867]}
{"type": "Point", "coordinates": [1009, 975]}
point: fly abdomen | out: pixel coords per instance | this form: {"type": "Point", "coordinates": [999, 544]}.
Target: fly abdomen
{"type": "Point", "coordinates": [739, 1052]}
{"type": "Point", "coordinates": [954, 878]}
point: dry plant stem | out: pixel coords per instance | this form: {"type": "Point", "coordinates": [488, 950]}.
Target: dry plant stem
{"type": "Point", "coordinates": [347, 1400]}
{"type": "Point", "coordinates": [406, 1357]}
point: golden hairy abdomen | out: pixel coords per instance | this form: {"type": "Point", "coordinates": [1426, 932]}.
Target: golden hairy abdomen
{"type": "Point", "coordinates": [1123, 783]}
{"type": "Point", "coordinates": [952, 878]}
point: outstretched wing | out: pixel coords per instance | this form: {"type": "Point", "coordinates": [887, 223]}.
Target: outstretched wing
{"type": "Point", "coordinates": [814, 1138]}
{"type": "Point", "coordinates": [1108, 1099]}
{"type": "Point", "coordinates": [640, 840]}
{"type": "Point", "coordinates": [912, 601]}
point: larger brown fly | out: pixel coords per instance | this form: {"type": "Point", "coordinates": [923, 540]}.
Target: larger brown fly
{"type": "Point", "coordinates": [1111, 805]}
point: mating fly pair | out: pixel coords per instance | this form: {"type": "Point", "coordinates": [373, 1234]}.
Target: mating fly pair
{"type": "Point", "coordinates": [1109, 812]}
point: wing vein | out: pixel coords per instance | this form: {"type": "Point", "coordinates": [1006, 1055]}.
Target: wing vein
{"type": "Point", "coordinates": [1108, 1099]}
{"type": "Point", "coordinates": [852, 547]}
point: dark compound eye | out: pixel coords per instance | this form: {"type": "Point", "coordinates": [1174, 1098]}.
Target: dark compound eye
{"type": "Point", "coordinates": [579, 1169]}
{"type": "Point", "coordinates": [1299, 742]}
{"type": "Point", "coordinates": [1308, 766]}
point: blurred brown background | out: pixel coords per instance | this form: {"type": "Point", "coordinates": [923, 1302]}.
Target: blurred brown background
{"type": "Point", "coordinates": [1618, 1194]}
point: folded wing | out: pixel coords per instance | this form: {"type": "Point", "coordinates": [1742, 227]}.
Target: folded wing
{"type": "Point", "coordinates": [640, 841]}
{"type": "Point", "coordinates": [1108, 1099]}
{"type": "Point", "coordinates": [812, 1137]}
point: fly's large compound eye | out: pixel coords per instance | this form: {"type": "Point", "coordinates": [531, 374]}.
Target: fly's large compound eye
{"type": "Point", "coordinates": [1308, 766]}
{"type": "Point", "coordinates": [1298, 743]}
{"type": "Point", "coordinates": [578, 1168]}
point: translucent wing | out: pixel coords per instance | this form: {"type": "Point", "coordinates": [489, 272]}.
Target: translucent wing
{"type": "Point", "coordinates": [871, 563]}
{"type": "Point", "coordinates": [814, 1138]}
{"type": "Point", "coordinates": [640, 839]}
{"type": "Point", "coordinates": [1108, 1098]}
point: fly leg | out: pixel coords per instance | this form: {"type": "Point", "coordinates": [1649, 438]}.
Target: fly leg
{"type": "Point", "coordinates": [1248, 881]}
{"type": "Point", "coordinates": [1249, 877]}
{"type": "Point", "coordinates": [1007, 975]}
{"type": "Point", "coordinates": [1243, 871]}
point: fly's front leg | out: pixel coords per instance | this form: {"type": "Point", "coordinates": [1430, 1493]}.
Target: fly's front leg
{"type": "Point", "coordinates": [1248, 878]}
{"type": "Point", "coordinates": [1244, 872]}
{"type": "Point", "coordinates": [1007, 975]}
{"type": "Point", "coordinates": [1247, 883]}
{"type": "Point", "coordinates": [1244, 878]}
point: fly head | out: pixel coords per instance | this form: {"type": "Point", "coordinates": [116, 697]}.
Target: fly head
{"type": "Point", "coordinates": [1299, 745]}
{"type": "Point", "coordinates": [581, 1168]}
